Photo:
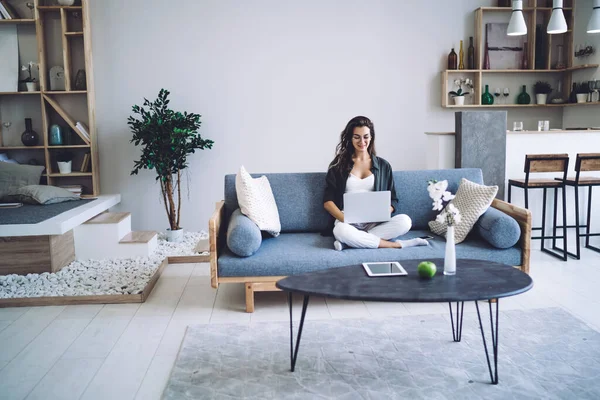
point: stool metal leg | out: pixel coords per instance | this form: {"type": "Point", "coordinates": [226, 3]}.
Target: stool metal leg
{"type": "Point", "coordinates": [555, 218]}
{"type": "Point", "coordinates": [526, 198]}
{"type": "Point", "coordinates": [564, 206]}
{"type": "Point", "coordinates": [509, 192]}
{"type": "Point", "coordinates": [589, 217]}
{"type": "Point", "coordinates": [543, 218]}
{"type": "Point", "coordinates": [577, 238]}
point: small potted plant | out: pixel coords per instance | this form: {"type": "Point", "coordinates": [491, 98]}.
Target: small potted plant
{"type": "Point", "coordinates": [30, 82]}
{"type": "Point", "coordinates": [582, 91]}
{"type": "Point", "coordinates": [459, 95]}
{"type": "Point", "coordinates": [542, 90]}
{"type": "Point", "coordinates": [64, 160]}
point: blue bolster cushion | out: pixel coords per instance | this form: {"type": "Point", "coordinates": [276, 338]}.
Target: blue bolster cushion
{"type": "Point", "coordinates": [498, 229]}
{"type": "Point", "coordinates": [243, 236]}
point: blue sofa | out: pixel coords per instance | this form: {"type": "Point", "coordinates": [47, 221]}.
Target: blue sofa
{"type": "Point", "coordinates": [301, 248]}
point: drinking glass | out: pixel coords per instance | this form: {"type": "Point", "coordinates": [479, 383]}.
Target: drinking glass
{"type": "Point", "coordinates": [497, 94]}
{"type": "Point", "coordinates": [506, 94]}
{"type": "Point", "coordinates": [517, 126]}
{"type": "Point", "coordinates": [540, 126]}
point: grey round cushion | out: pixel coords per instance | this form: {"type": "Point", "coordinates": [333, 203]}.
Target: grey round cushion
{"type": "Point", "coordinates": [498, 229]}
{"type": "Point", "coordinates": [243, 235]}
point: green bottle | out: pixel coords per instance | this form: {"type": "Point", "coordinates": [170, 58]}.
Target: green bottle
{"type": "Point", "coordinates": [486, 98]}
{"type": "Point", "coordinates": [524, 98]}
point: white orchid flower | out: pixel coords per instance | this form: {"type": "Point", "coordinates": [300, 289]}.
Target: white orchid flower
{"type": "Point", "coordinates": [457, 82]}
{"type": "Point", "coordinates": [447, 196]}
{"type": "Point", "coordinates": [24, 68]}
{"type": "Point", "coordinates": [441, 218]}
{"type": "Point", "coordinates": [457, 218]}
{"type": "Point", "coordinates": [437, 205]}
{"type": "Point", "coordinates": [32, 64]}
{"type": "Point", "coordinates": [452, 208]}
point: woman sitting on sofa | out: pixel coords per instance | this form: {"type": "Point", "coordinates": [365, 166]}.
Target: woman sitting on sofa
{"type": "Point", "coordinates": [356, 168]}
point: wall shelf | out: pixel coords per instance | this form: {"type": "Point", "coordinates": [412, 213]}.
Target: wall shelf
{"type": "Point", "coordinates": [58, 8]}
{"type": "Point", "coordinates": [17, 93]}
{"type": "Point", "coordinates": [65, 92]}
{"type": "Point", "coordinates": [9, 148]}
{"type": "Point", "coordinates": [69, 146]}
{"type": "Point", "coordinates": [71, 174]}
{"type": "Point", "coordinates": [17, 21]}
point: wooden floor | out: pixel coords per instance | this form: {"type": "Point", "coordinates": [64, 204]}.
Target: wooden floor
{"type": "Point", "coordinates": [126, 351]}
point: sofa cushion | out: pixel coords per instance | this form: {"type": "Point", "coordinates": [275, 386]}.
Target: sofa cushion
{"type": "Point", "coordinates": [498, 229]}
{"type": "Point", "coordinates": [14, 176]}
{"type": "Point", "coordinates": [472, 200]}
{"type": "Point", "coordinates": [296, 253]}
{"type": "Point", "coordinates": [243, 236]}
{"type": "Point", "coordinates": [41, 194]}
{"type": "Point", "coordinates": [257, 202]}
{"type": "Point", "coordinates": [299, 196]}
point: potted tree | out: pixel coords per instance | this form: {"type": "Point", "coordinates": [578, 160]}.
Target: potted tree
{"type": "Point", "coordinates": [64, 160]}
{"type": "Point", "coordinates": [542, 90]}
{"type": "Point", "coordinates": [459, 95]}
{"type": "Point", "coordinates": [167, 137]}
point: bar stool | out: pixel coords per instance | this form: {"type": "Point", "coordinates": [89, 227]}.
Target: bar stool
{"type": "Point", "coordinates": [585, 162]}
{"type": "Point", "coordinates": [536, 163]}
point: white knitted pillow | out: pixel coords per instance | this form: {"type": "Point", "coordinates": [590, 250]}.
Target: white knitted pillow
{"type": "Point", "coordinates": [472, 200]}
{"type": "Point", "coordinates": [257, 202]}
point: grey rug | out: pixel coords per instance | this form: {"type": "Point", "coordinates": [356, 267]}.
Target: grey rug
{"type": "Point", "coordinates": [34, 214]}
{"type": "Point", "coordinates": [543, 354]}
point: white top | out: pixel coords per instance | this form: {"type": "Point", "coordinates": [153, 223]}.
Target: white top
{"type": "Point", "coordinates": [356, 185]}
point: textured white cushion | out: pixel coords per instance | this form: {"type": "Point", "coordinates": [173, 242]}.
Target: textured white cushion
{"type": "Point", "coordinates": [472, 200]}
{"type": "Point", "coordinates": [256, 201]}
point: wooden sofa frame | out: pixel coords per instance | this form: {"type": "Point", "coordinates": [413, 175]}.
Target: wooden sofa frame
{"type": "Point", "coordinates": [267, 283]}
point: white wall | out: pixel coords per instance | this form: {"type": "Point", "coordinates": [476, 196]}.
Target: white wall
{"type": "Point", "coordinates": [275, 82]}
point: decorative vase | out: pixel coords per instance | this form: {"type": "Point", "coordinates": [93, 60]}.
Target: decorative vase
{"type": "Point", "coordinates": [80, 80]}
{"type": "Point", "coordinates": [582, 97]}
{"type": "Point", "coordinates": [573, 95]}
{"type": "Point", "coordinates": [486, 57]}
{"type": "Point", "coordinates": [461, 56]}
{"type": "Point", "coordinates": [31, 86]}
{"type": "Point", "coordinates": [486, 98]}
{"type": "Point", "coordinates": [523, 97]}
{"type": "Point", "coordinates": [450, 255]}
{"type": "Point", "coordinates": [452, 60]}
{"type": "Point", "coordinates": [525, 59]}
{"type": "Point", "coordinates": [64, 167]}
{"type": "Point", "coordinates": [560, 59]}
{"type": "Point", "coordinates": [459, 100]}
{"type": "Point", "coordinates": [174, 236]}
{"type": "Point", "coordinates": [29, 137]}
{"type": "Point", "coordinates": [471, 54]}
{"type": "Point", "coordinates": [541, 98]}
{"type": "Point", "coordinates": [56, 135]}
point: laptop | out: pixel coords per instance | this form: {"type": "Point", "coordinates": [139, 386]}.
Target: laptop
{"type": "Point", "coordinates": [367, 207]}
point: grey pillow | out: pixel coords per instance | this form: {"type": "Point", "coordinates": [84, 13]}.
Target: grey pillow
{"type": "Point", "coordinates": [243, 235]}
{"type": "Point", "coordinates": [498, 229]}
{"type": "Point", "coordinates": [41, 194]}
{"type": "Point", "coordinates": [14, 176]}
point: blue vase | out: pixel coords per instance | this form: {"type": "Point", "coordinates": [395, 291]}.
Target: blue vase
{"type": "Point", "coordinates": [56, 135]}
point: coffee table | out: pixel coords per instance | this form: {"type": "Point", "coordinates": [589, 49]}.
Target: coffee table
{"type": "Point", "coordinates": [475, 280]}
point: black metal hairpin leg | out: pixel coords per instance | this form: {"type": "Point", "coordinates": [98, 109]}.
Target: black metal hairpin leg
{"type": "Point", "coordinates": [494, 332]}
{"type": "Point", "coordinates": [457, 333]}
{"type": "Point", "coordinates": [294, 351]}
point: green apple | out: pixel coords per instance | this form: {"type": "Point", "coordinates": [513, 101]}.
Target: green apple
{"type": "Point", "coordinates": [426, 269]}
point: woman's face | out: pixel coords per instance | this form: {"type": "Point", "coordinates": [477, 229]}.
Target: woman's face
{"type": "Point", "coordinates": [361, 138]}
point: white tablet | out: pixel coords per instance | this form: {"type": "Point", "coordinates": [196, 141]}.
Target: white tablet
{"type": "Point", "coordinates": [387, 268]}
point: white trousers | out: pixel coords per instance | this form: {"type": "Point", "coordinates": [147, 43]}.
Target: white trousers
{"type": "Point", "coordinates": [369, 237]}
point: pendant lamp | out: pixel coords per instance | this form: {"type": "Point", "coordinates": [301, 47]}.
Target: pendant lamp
{"type": "Point", "coordinates": [517, 25]}
{"type": "Point", "coordinates": [558, 23]}
{"type": "Point", "coordinates": [594, 24]}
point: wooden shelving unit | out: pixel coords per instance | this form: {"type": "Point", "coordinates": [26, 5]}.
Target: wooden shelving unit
{"type": "Point", "coordinates": [63, 38]}
{"type": "Point", "coordinates": [535, 12]}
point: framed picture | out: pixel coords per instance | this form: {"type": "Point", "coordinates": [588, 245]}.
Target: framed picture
{"type": "Point", "coordinates": [505, 52]}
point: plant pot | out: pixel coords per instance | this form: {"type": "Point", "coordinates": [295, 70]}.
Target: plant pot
{"type": "Point", "coordinates": [64, 167]}
{"type": "Point", "coordinates": [541, 98]}
{"type": "Point", "coordinates": [459, 100]}
{"type": "Point", "coordinates": [582, 97]}
{"type": "Point", "coordinates": [31, 86]}
{"type": "Point", "coordinates": [174, 236]}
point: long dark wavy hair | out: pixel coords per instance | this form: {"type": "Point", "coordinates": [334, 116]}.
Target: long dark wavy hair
{"type": "Point", "coordinates": [345, 150]}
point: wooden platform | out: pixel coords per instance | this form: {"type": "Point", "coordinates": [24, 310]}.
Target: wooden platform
{"type": "Point", "coordinates": [36, 254]}
{"type": "Point", "coordinates": [113, 298]}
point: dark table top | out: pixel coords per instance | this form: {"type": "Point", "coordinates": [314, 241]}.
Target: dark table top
{"type": "Point", "coordinates": [474, 280]}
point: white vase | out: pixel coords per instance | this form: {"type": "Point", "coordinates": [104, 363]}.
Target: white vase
{"type": "Point", "coordinates": [66, 2]}
{"type": "Point", "coordinates": [64, 167]}
{"type": "Point", "coordinates": [581, 97]}
{"type": "Point", "coordinates": [541, 98]}
{"type": "Point", "coordinates": [174, 236]}
{"type": "Point", "coordinates": [450, 256]}
{"type": "Point", "coordinates": [31, 86]}
{"type": "Point", "coordinates": [459, 100]}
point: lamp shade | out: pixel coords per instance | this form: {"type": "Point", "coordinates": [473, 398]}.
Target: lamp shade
{"type": "Point", "coordinates": [558, 23]}
{"type": "Point", "coordinates": [594, 24]}
{"type": "Point", "coordinates": [517, 25]}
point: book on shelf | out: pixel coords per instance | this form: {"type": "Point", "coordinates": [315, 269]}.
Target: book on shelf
{"type": "Point", "coordinates": [75, 189]}
{"type": "Point", "coordinates": [10, 205]}
{"type": "Point", "coordinates": [85, 163]}
{"type": "Point", "coordinates": [83, 129]}
{"type": "Point", "coordinates": [8, 10]}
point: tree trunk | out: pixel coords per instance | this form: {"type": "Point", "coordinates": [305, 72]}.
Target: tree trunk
{"type": "Point", "coordinates": [178, 196]}
{"type": "Point", "coordinates": [169, 187]}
